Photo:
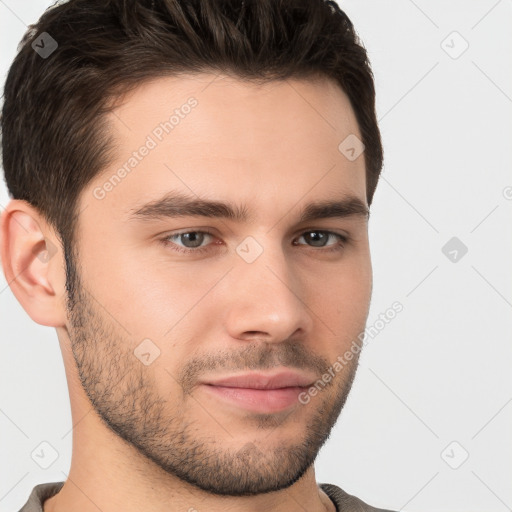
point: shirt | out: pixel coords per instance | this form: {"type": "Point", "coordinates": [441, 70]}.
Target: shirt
{"type": "Point", "coordinates": [343, 501]}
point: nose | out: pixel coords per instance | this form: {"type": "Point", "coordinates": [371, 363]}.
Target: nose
{"type": "Point", "coordinates": [268, 300]}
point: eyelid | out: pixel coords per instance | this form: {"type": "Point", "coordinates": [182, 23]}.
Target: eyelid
{"type": "Point", "coordinates": [301, 231]}
{"type": "Point", "coordinates": [334, 231]}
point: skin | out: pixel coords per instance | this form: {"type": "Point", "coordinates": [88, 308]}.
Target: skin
{"type": "Point", "coordinates": [149, 436]}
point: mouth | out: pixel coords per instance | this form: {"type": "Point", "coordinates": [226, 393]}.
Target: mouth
{"type": "Point", "coordinates": [261, 393]}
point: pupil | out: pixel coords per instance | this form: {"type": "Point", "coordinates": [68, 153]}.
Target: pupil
{"type": "Point", "coordinates": [196, 238]}
{"type": "Point", "coordinates": [317, 236]}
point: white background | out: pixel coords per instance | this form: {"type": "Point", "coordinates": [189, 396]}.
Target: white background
{"type": "Point", "coordinates": [441, 370]}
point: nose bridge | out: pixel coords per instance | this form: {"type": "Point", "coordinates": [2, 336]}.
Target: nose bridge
{"type": "Point", "coordinates": [263, 257]}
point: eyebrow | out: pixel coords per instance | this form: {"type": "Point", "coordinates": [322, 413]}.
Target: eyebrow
{"type": "Point", "coordinates": [177, 204]}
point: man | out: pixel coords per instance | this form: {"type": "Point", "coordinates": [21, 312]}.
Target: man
{"type": "Point", "coordinates": [190, 212]}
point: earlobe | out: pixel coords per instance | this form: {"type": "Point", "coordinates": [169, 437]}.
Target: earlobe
{"type": "Point", "coordinates": [30, 256]}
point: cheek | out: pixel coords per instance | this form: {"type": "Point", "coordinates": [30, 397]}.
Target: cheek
{"type": "Point", "coordinates": [147, 296]}
{"type": "Point", "coordinates": [345, 301]}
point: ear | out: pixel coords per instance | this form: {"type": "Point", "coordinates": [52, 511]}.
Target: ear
{"type": "Point", "coordinates": [33, 263]}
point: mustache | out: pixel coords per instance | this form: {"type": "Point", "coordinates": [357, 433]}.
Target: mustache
{"type": "Point", "coordinates": [253, 356]}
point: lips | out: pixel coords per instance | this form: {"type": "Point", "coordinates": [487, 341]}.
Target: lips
{"type": "Point", "coordinates": [258, 392]}
{"type": "Point", "coordinates": [286, 379]}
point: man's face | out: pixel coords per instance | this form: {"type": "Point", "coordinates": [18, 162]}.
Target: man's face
{"type": "Point", "coordinates": [151, 326]}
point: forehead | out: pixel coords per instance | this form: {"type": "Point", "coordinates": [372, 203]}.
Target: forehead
{"type": "Point", "coordinates": [213, 110]}
{"type": "Point", "coordinates": [220, 136]}
{"type": "Point", "coordinates": [222, 93]}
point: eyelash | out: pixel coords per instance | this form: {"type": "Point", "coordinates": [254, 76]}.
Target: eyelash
{"type": "Point", "coordinates": [342, 240]}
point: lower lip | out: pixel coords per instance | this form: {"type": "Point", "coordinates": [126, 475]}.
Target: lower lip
{"type": "Point", "coordinates": [258, 400]}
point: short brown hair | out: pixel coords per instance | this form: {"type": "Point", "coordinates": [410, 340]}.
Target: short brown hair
{"type": "Point", "coordinates": [55, 136]}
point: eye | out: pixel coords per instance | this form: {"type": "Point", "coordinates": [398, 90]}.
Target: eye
{"type": "Point", "coordinates": [319, 238]}
{"type": "Point", "coordinates": [193, 241]}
